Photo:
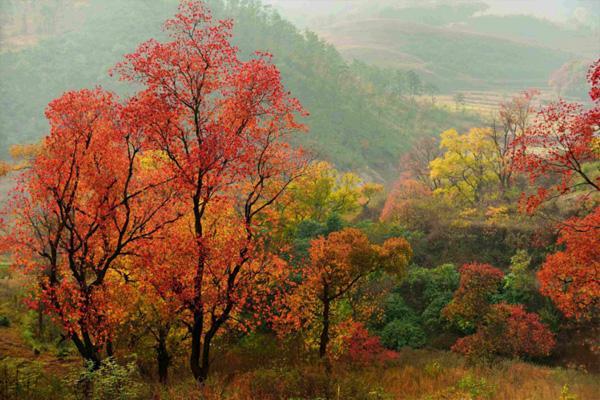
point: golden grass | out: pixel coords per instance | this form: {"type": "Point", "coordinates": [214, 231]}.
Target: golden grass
{"type": "Point", "coordinates": [417, 374]}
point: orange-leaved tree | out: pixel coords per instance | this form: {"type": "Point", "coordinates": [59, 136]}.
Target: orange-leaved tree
{"type": "Point", "coordinates": [219, 128]}
{"type": "Point", "coordinates": [472, 299]}
{"type": "Point", "coordinates": [84, 204]}
{"type": "Point", "coordinates": [571, 277]}
{"type": "Point", "coordinates": [337, 264]}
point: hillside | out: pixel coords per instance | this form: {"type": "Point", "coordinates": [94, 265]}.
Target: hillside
{"type": "Point", "coordinates": [451, 58]}
{"type": "Point", "coordinates": [459, 46]}
{"type": "Point", "coordinates": [354, 124]}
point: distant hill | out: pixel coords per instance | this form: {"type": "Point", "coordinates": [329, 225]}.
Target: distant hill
{"type": "Point", "coordinates": [457, 47]}
{"type": "Point", "coordinates": [451, 58]}
{"type": "Point", "coordinates": [353, 123]}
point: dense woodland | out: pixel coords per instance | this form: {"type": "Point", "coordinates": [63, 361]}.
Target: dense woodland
{"type": "Point", "coordinates": [229, 209]}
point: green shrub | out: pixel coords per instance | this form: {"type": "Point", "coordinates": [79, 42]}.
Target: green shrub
{"type": "Point", "coordinates": [24, 379]}
{"type": "Point", "coordinates": [400, 333]}
{"type": "Point", "coordinates": [4, 321]}
{"type": "Point", "coordinates": [476, 388]}
{"type": "Point", "coordinates": [110, 381]}
{"type": "Point", "coordinates": [397, 309]}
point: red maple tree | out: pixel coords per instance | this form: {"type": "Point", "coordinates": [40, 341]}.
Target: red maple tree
{"type": "Point", "coordinates": [559, 143]}
{"type": "Point", "coordinates": [218, 130]}
{"type": "Point", "coordinates": [80, 210]}
{"type": "Point", "coordinates": [571, 277]}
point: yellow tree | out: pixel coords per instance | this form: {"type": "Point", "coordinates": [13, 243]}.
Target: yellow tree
{"type": "Point", "coordinates": [323, 191]}
{"type": "Point", "coordinates": [465, 171]}
{"type": "Point", "coordinates": [21, 154]}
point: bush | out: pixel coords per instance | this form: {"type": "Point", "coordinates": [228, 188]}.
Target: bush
{"type": "Point", "coordinates": [476, 388]}
{"type": "Point", "coordinates": [396, 308]}
{"type": "Point", "coordinates": [110, 381]}
{"type": "Point", "coordinates": [287, 382]}
{"type": "Point", "coordinates": [432, 318]}
{"type": "Point", "coordinates": [23, 379]}
{"type": "Point", "coordinates": [507, 330]}
{"type": "Point", "coordinates": [360, 347]}
{"type": "Point", "coordinates": [400, 333]}
{"type": "Point", "coordinates": [4, 321]}
{"type": "Point", "coordinates": [471, 301]}
{"type": "Point", "coordinates": [307, 383]}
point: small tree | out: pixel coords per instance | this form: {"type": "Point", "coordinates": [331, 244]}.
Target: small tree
{"type": "Point", "coordinates": [337, 264]}
{"type": "Point", "coordinates": [459, 100]}
{"type": "Point", "coordinates": [472, 299]}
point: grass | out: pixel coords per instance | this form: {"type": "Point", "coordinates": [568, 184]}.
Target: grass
{"type": "Point", "coordinates": [417, 374]}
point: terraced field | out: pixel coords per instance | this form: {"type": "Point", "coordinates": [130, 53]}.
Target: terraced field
{"type": "Point", "coordinates": [450, 58]}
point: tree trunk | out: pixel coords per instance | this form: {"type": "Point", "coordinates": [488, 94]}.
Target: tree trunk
{"type": "Point", "coordinates": [87, 350]}
{"type": "Point", "coordinates": [205, 359]}
{"type": "Point", "coordinates": [40, 320]}
{"type": "Point", "coordinates": [325, 332]}
{"type": "Point", "coordinates": [163, 357]}
{"type": "Point", "coordinates": [109, 348]}
{"type": "Point", "coordinates": [196, 346]}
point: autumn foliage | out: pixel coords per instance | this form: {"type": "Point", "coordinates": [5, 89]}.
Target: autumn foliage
{"type": "Point", "coordinates": [218, 125]}
{"type": "Point", "coordinates": [571, 277]}
{"type": "Point", "coordinates": [559, 142]}
{"type": "Point", "coordinates": [338, 263]}
{"type": "Point", "coordinates": [81, 209]}
{"type": "Point", "coordinates": [183, 210]}
{"type": "Point", "coordinates": [362, 348]}
{"type": "Point", "coordinates": [472, 299]}
{"type": "Point", "coordinates": [508, 330]}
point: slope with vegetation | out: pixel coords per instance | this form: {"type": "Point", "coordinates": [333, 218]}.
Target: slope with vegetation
{"type": "Point", "coordinates": [456, 47]}
{"type": "Point", "coordinates": [352, 123]}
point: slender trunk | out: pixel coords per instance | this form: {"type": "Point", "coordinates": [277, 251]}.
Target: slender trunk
{"type": "Point", "coordinates": [109, 348]}
{"type": "Point", "coordinates": [196, 345]}
{"type": "Point", "coordinates": [163, 357]}
{"type": "Point", "coordinates": [40, 320]}
{"type": "Point", "coordinates": [325, 332]}
{"type": "Point", "coordinates": [205, 360]}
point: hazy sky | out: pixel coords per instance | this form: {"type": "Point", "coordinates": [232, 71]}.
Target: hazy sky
{"type": "Point", "coordinates": [556, 10]}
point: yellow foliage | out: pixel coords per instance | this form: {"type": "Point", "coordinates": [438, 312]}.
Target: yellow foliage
{"type": "Point", "coordinates": [466, 169]}
{"type": "Point", "coordinates": [324, 191]}
{"type": "Point", "coordinates": [25, 151]}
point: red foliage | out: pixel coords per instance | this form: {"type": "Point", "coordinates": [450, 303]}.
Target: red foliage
{"type": "Point", "coordinates": [478, 282]}
{"type": "Point", "coordinates": [360, 347]}
{"type": "Point", "coordinates": [558, 143]}
{"type": "Point", "coordinates": [571, 278]}
{"type": "Point", "coordinates": [218, 129]}
{"type": "Point", "coordinates": [407, 202]}
{"type": "Point", "coordinates": [81, 209]}
{"type": "Point", "coordinates": [594, 80]}
{"type": "Point", "coordinates": [508, 330]}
